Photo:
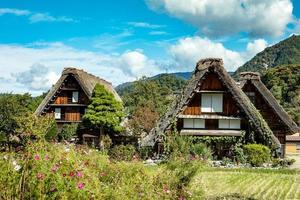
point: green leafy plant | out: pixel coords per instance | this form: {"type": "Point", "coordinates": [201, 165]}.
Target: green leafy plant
{"type": "Point", "coordinates": [104, 111]}
{"type": "Point", "coordinates": [239, 155]}
{"type": "Point", "coordinates": [122, 152]}
{"type": "Point", "coordinates": [201, 150]}
{"type": "Point", "coordinates": [68, 131]}
{"type": "Point", "coordinates": [257, 154]}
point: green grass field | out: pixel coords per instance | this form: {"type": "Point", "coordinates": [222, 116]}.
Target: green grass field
{"type": "Point", "coordinates": [247, 184]}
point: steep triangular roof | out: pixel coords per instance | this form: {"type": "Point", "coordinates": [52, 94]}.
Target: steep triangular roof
{"type": "Point", "coordinates": [86, 81]}
{"type": "Point", "coordinates": [203, 66]}
{"type": "Point", "coordinates": [254, 79]}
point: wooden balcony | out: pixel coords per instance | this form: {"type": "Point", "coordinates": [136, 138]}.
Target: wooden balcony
{"type": "Point", "coordinates": [207, 116]}
{"type": "Point", "coordinates": [70, 117]}
{"type": "Point", "coordinates": [69, 104]}
{"type": "Point", "coordinates": [199, 132]}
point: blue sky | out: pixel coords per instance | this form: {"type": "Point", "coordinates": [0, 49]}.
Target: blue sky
{"type": "Point", "coordinates": [125, 40]}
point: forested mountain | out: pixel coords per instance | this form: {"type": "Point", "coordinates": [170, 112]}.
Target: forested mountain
{"type": "Point", "coordinates": [284, 82]}
{"type": "Point", "coordinates": [284, 52]}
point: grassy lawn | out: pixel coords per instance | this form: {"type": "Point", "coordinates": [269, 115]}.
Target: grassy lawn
{"type": "Point", "coordinates": [247, 183]}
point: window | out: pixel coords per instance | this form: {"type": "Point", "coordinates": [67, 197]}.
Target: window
{"type": "Point", "coordinates": [230, 123]}
{"type": "Point", "coordinates": [75, 97]}
{"type": "Point", "coordinates": [57, 114]}
{"type": "Point", "coordinates": [298, 146]}
{"type": "Point", "coordinates": [212, 102]}
{"type": "Point", "coordinates": [251, 96]}
{"type": "Point", "coordinates": [193, 123]}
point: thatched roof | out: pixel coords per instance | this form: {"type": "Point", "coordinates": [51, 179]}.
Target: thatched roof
{"type": "Point", "coordinates": [254, 79]}
{"type": "Point", "coordinates": [257, 122]}
{"type": "Point", "coordinates": [86, 81]}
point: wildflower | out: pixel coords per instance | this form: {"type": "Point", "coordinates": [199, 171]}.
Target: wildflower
{"type": "Point", "coordinates": [64, 174]}
{"type": "Point", "coordinates": [79, 174]}
{"type": "Point", "coordinates": [54, 168]}
{"type": "Point", "coordinates": [67, 149]}
{"type": "Point", "coordinates": [5, 157]}
{"type": "Point", "coordinates": [166, 190]}
{"type": "Point", "coordinates": [72, 174]}
{"type": "Point", "coordinates": [80, 185]}
{"type": "Point", "coordinates": [17, 167]}
{"type": "Point", "coordinates": [181, 198]}
{"type": "Point", "coordinates": [53, 189]}
{"type": "Point", "coordinates": [46, 157]}
{"type": "Point", "coordinates": [40, 176]}
{"type": "Point", "coordinates": [102, 174]}
{"type": "Point", "coordinates": [37, 157]}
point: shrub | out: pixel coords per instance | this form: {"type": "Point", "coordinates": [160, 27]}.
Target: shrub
{"type": "Point", "coordinates": [177, 146]}
{"type": "Point", "coordinates": [239, 155]}
{"type": "Point", "coordinates": [201, 150]}
{"type": "Point", "coordinates": [105, 142]}
{"type": "Point", "coordinates": [145, 152]}
{"type": "Point", "coordinates": [257, 154]}
{"type": "Point", "coordinates": [122, 152]}
{"type": "Point", "coordinates": [68, 131]}
{"type": "Point", "coordinates": [52, 132]}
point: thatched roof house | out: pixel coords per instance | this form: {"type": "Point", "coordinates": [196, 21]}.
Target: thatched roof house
{"type": "Point", "coordinates": [210, 78]}
{"type": "Point", "coordinates": [86, 81]}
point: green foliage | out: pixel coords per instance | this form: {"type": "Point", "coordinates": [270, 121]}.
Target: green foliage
{"type": "Point", "coordinates": [12, 107]}
{"type": "Point", "coordinates": [184, 171]}
{"type": "Point", "coordinates": [105, 141]}
{"type": "Point", "coordinates": [239, 155]}
{"type": "Point", "coordinates": [68, 131]}
{"type": "Point", "coordinates": [201, 150]}
{"type": "Point", "coordinates": [52, 132]}
{"type": "Point", "coordinates": [176, 146]}
{"type": "Point", "coordinates": [257, 154]}
{"type": "Point", "coordinates": [56, 171]}
{"type": "Point", "coordinates": [104, 111]}
{"type": "Point", "coordinates": [157, 92]}
{"type": "Point", "coordinates": [282, 53]}
{"type": "Point", "coordinates": [122, 152]}
{"type": "Point", "coordinates": [284, 83]}
{"type": "Point", "coordinates": [145, 152]}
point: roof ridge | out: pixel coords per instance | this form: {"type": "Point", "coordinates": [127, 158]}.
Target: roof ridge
{"type": "Point", "coordinates": [66, 69]}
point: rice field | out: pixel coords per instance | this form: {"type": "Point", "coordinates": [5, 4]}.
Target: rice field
{"type": "Point", "coordinates": [247, 184]}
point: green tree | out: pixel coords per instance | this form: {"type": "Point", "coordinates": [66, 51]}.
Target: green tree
{"type": "Point", "coordinates": [104, 111]}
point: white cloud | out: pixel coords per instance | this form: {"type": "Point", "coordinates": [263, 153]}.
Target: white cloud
{"type": "Point", "coordinates": [158, 33]}
{"type": "Point", "coordinates": [19, 68]}
{"type": "Point", "coordinates": [17, 12]}
{"type": "Point", "coordinates": [145, 25]}
{"type": "Point", "coordinates": [219, 18]}
{"type": "Point", "coordinates": [35, 17]}
{"type": "Point", "coordinates": [256, 46]}
{"type": "Point", "coordinates": [45, 17]}
{"type": "Point", "coordinates": [187, 51]}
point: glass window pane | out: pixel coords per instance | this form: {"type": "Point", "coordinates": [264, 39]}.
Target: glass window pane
{"type": "Point", "coordinates": [217, 102]}
{"type": "Point", "coordinates": [199, 123]}
{"type": "Point", "coordinates": [224, 123]}
{"type": "Point", "coordinates": [206, 103]}
{"type": "Point", "coordinates": [235, 124]}
{"type": "Point", "coordinates": [188, 123]}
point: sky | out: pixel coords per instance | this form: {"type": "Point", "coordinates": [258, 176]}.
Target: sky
{"type": "Point", "coordinates": [122, 41]}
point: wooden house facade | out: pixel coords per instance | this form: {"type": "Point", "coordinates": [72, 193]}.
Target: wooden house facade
{"type": "Point", "coordinates": [212, 104]}
{"type": "Point", "coordinates": [274, 114]}
{"type": "Point", "coordinates": [68, 99]}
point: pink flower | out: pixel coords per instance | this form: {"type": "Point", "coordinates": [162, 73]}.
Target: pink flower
{"type": "Point", "coordinates": [54, 168]}
{"type": "Point", "coordinates": [37, 157]}
{"type": "Point", "coordinates": [181, 198]}
{"type": "Point", "coordinates": [40, 176]}
{"type": "Point", "coordinates": [79, 174]}
{"type": "Point", "coordinates": [46, 157]}
{"type": "Point", "coordinates": [166, 190]}
{"type": "Point", "coordinates": [80, 185]}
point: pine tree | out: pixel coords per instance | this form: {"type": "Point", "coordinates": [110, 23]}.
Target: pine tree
{"type": "Point", "coordinates": [104, 111]}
